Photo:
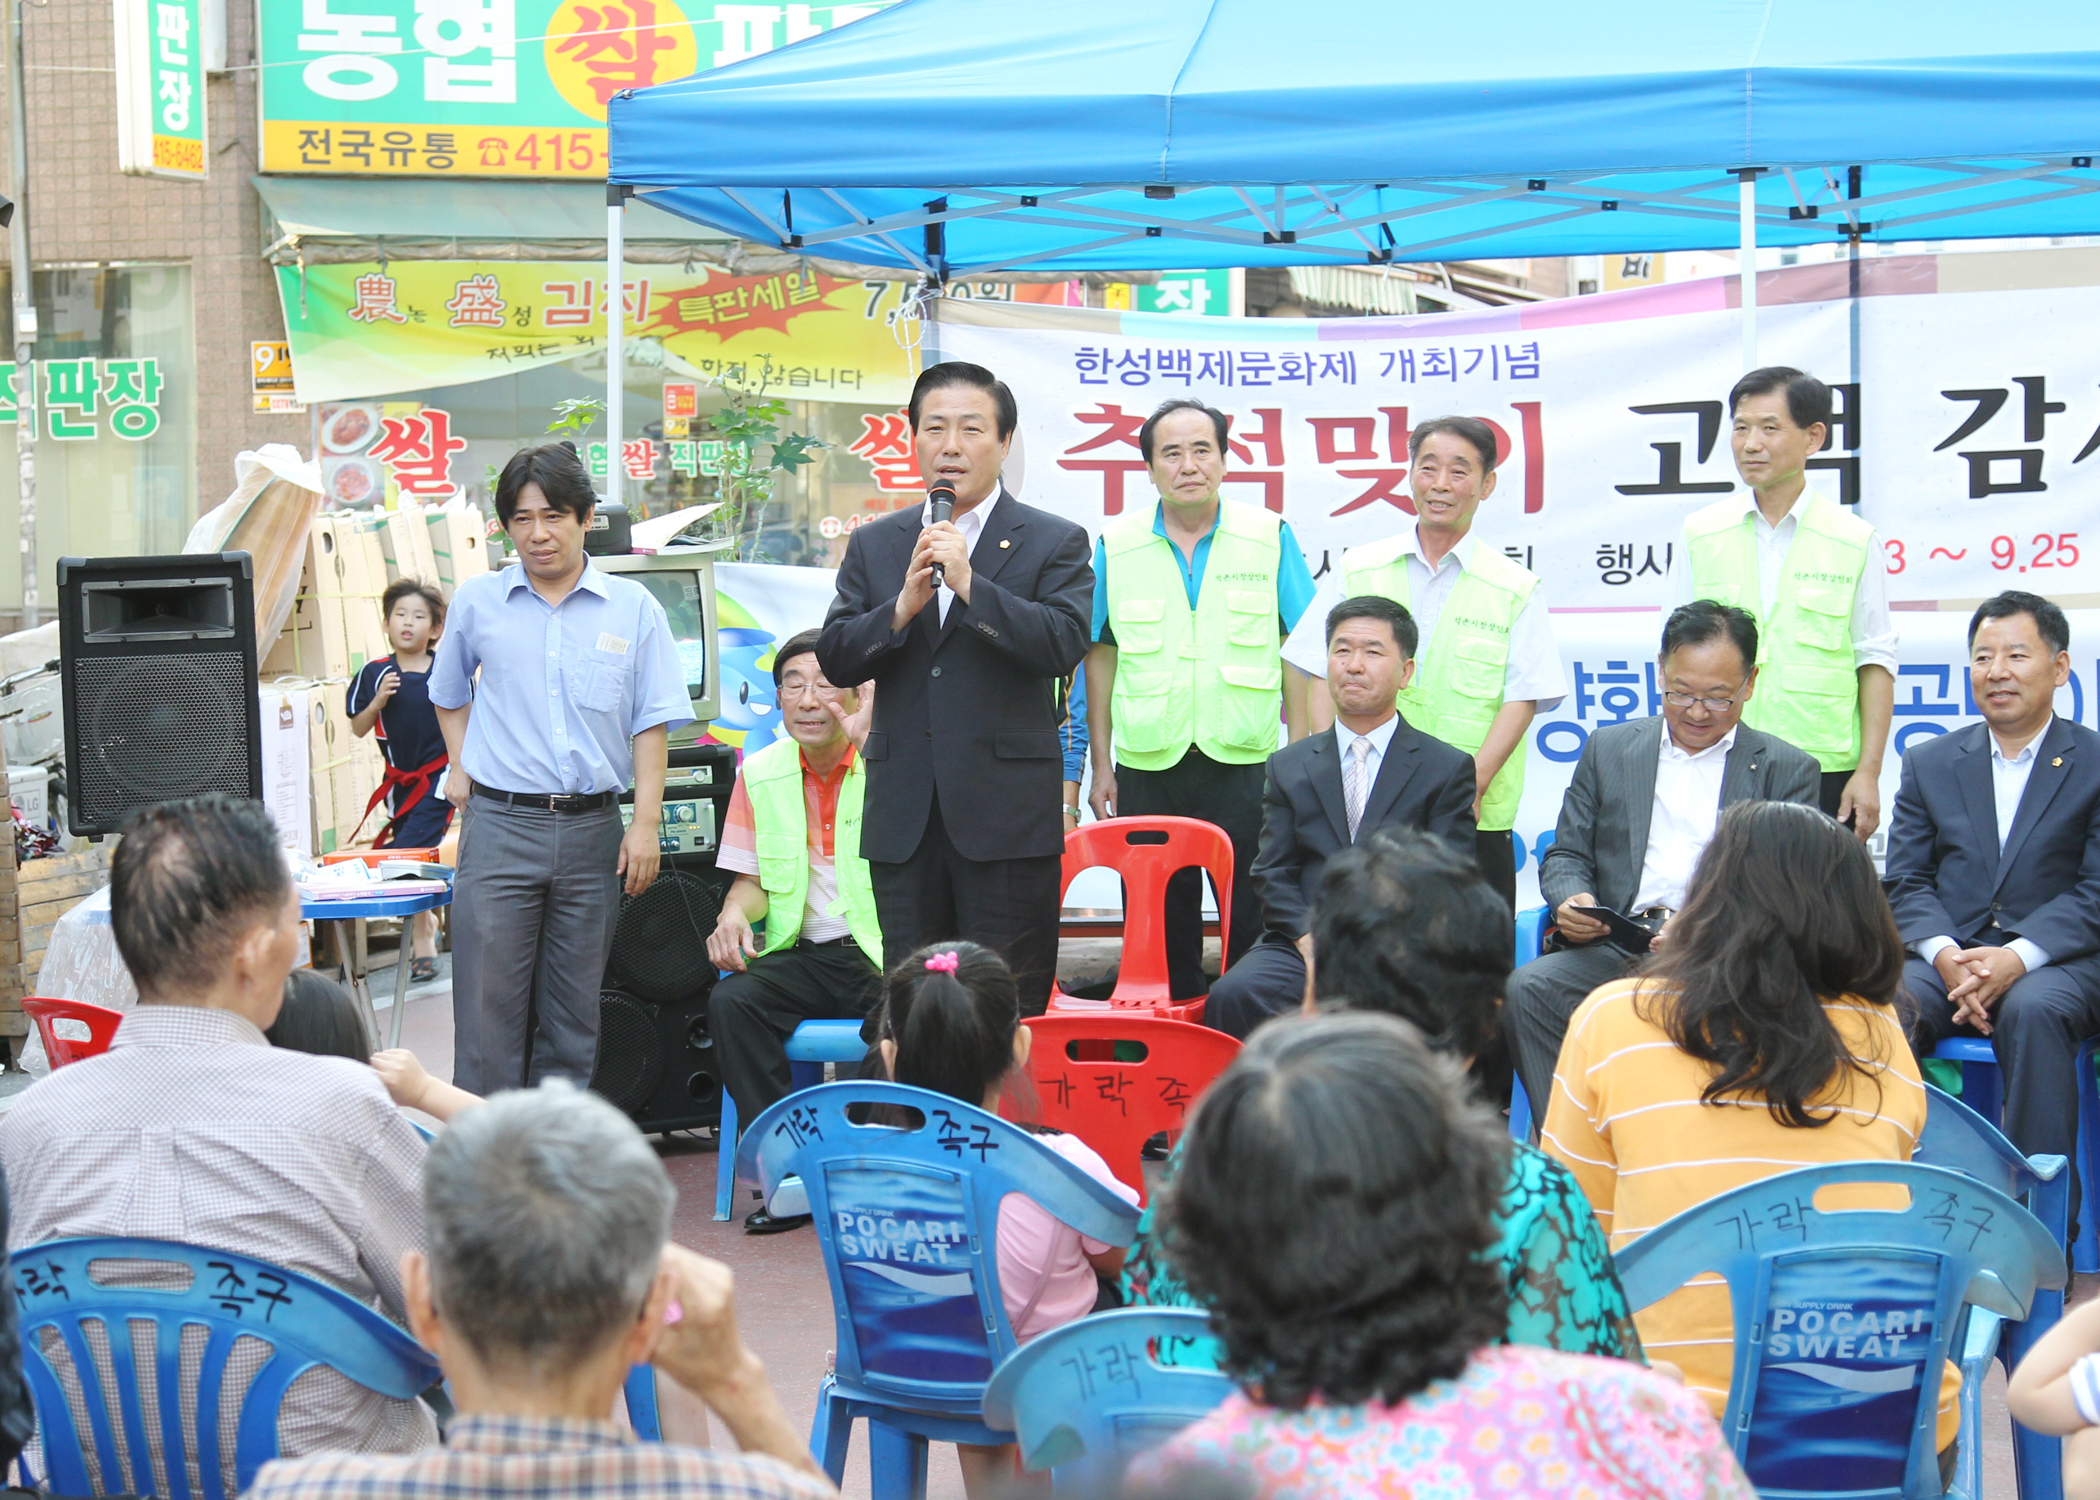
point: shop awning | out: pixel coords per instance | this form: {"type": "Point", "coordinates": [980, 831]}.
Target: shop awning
{"type": "Point", "coordinates": [426, 209]}
{"type": "Point", "coordinates": [954, 137]}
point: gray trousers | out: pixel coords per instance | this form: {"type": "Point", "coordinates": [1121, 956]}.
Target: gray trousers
{"type": "Point", "coordinates": [1543, 994]}
{"type": "Point", "coordinates": [533, 912]}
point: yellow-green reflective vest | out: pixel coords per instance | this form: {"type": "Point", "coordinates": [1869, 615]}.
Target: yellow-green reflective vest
{"type": "Point", "coordinates": [1211, 676]}
{"type": "Point", "coordinates": [1457, 690]}
{"type": "Point", "coordinates": [1807, 684]}
{"type": "Point", "coordinates": [773, 782]}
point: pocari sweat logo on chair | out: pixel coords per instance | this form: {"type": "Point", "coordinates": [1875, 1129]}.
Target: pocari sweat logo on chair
{"type": "Point", "coordinates": [903, 1245]}
{"type": "Point", "coordinates": [1837, 1386]}
{"type": "Point", "coordinates": [908, 1251]}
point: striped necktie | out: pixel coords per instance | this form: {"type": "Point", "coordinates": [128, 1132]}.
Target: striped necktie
{"type": "Point", "coordinates": [1356, 782]}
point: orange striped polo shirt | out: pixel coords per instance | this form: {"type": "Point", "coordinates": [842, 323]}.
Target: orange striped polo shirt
{"type": "Point", "coordinates": [1627, 1119]}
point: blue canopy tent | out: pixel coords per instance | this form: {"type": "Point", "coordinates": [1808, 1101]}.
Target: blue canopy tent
{"type": "Point", "coordinates": [957, 138]}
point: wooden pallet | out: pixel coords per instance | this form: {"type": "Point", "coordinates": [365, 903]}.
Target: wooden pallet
{"type": "Point", "coordinates": [34, 897]}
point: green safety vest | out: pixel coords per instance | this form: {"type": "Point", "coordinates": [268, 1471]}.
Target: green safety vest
{"type": "Point", "coordinates": [773, 782]}
{"type": "Point", "coordinates": [1807, 683]}
{"type": "Point", "coordinates": [1211, 676]}
{"type": "Point", "coordinates": [1457, 689]}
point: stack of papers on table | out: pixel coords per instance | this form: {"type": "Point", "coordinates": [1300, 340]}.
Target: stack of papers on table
{"type": "Point", "coordinates": [357, 882]}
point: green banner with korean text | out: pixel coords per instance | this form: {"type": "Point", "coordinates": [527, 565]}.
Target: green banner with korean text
{"type": "Point", "coordinates": [489, 88]}
{"type": "Point", "coordinates": [365, 330]}
{"type": "Point", "coordinates": [160, 88]}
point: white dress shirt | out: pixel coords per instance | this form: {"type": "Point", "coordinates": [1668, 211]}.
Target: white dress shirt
{"type": "Point", "coordinates": [192, 1127]}
{"type": "Point", "coordinates": [1533, 673]}
{"type": "Point", "coordinates": [1379, 739]}
{"type": "Point", "coordinates": [2008, 784]}
{"type": "Point", "coordinates": [1687, 806]}
{"type": "Point", "coordinates": [971, 524]}
{"type": "Point", "coordinates": [1873, 633]}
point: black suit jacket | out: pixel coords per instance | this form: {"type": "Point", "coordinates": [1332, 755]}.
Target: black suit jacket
{"type": "Point", "coordinates": [971, 707]}
{"type": "Point", "coordinates": [1602, 838]}
{"type": "Point", "coordinates": [1945, 874]}
{"type": "Point", "coordinates": [1421, 783]}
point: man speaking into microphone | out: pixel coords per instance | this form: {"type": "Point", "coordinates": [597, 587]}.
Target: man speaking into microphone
{"type": "Point", "coordinates": [967, 614]}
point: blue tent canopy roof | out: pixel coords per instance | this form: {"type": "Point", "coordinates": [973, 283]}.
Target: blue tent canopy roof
{"type": "Point", "coordinates": [1163, 133]}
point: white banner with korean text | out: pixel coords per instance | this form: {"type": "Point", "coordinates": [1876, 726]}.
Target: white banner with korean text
{"type": "Point", "coordinates": [1967, 431]}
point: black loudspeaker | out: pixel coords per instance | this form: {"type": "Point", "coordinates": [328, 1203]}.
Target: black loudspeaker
{"type": "Point", "coordinates": [657, 1062]}
{"type": "Point", "coordinates": [659, 949]}
{"type": "Point", "coordinates": [157, 671]}
{"type": "Point", "coordinates": [655, 1059]}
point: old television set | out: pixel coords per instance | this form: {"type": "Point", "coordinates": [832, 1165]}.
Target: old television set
{"type": "Point", "coordinates": [683, 581]}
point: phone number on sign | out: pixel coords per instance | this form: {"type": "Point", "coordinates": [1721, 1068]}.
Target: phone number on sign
{"type": "Point", "coordinates": [2044, 550]}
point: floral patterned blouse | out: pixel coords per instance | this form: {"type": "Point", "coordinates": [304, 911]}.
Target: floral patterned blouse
{"type": "Point", "coordinates": [1563, 1292]}
{"type": "Point", "coordinates": [1518, 1421]}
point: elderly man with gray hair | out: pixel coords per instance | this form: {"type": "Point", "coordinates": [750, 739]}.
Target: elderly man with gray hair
{"type": "Point", "coordinates": [549, 1274]}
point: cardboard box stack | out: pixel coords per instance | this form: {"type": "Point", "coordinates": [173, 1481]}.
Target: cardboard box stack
{"type": "Point", "coordinates": [458, 544]}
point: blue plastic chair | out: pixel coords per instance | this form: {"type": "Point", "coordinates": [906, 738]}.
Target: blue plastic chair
{"type": "Point", "coordinates": [1958, 1138]}
{"type": "Point", "coordinates": [1983, 1090]}
{"type": "Point", "coordinates": [814, 1044]}
{"type": "Point", "coordinates": [1087, 1398]}
{"type": "Point", "coordinates": [231, 1296]}
{"type": "Point", "coordinates": [1815, 1408]}
{"type": "Point", "coordinates": [1531, 942]}
{"type": "Point", "coordinates": [906, 1217]}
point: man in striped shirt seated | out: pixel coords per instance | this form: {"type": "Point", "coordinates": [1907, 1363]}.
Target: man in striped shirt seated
{"type": "Point", "coordinates": [791, 837]}
{"type": "Point", "coordinates": [548, 1277]}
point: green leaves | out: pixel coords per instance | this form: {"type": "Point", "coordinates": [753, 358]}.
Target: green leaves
{"type": "Point", "coordinates": [576, 415]}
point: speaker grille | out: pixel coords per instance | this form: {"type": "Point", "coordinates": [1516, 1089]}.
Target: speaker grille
{"type": "Point", "coordinates": [156, 728]}
{"type": "Point", "coordinates": [659, 949]}
{"type": "Point", "coordinates": [630, 1053]}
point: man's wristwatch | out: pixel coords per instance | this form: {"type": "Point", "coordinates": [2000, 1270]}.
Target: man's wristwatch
{"type": "Point", "coordinates": [1071, 811]}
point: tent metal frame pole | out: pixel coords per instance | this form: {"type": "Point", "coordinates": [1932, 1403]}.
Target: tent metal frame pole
{"type": "Point", "coordinates": [1746, 262]}
{"type": "Point", "coordinates": [615, 335]}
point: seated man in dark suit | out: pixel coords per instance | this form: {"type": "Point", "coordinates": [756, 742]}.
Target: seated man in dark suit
{"type": "Point", "coordinates": [1994, 871]}
{"type": "Point", "coordinates": [1332, 790]}
{"type": "Point", "coordinates": [1643, 804]}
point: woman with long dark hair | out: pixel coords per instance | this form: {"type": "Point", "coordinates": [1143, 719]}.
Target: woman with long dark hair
{"type": "Point", "coordinates": [1335, 1210]}
{"type": "Point", "coordinates": [1762, 1037]}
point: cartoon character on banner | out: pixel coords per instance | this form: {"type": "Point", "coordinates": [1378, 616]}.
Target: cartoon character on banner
{"type": "Point", "coordinates": [750, 716]}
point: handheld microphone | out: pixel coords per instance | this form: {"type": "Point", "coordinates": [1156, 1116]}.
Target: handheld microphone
{"type": "Point", "coordinates": [942, 500]}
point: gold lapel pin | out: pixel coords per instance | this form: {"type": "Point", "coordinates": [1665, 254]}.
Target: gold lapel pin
{"type": "Point", "coordinates": [2058, 761]}
{"type": "Point", "coordinates": [1009, 544]}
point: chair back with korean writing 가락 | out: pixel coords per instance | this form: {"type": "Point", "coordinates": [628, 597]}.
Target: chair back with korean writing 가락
{"type": "Point", "coordinates": [69, 1290]}
{"type": "Point", "coordinates": [1087, 1398]}
{"type": "Point", "coordinates": [906, 1216]}
{"type": "Point", "coordinates": [1844, 1313]}
{"type": "Point", "coordinates": [1116, 1079]}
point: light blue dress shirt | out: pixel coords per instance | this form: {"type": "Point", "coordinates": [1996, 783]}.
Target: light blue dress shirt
{"type": "Point", "coordinates": [563, 688]}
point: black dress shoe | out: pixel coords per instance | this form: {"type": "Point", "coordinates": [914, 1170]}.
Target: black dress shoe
{"type": "Point", "coordinates": [761, 1222]}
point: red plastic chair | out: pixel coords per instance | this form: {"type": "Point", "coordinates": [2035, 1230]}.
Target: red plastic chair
{"type": "Point", "coordinates": [1146, 852]}
{"type": "Point", "coordinates": [100, 1021]}
{"type": "Point", "coordinates": [1113, 1105]}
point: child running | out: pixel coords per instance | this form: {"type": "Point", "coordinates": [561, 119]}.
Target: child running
{"type": "Point", "coordinates": [394, 693]}
{"type": "Point", "coordinates": [952, 1023]}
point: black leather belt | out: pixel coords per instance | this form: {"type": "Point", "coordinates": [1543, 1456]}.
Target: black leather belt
{"type": "Point", "coordinates": [545, 802]}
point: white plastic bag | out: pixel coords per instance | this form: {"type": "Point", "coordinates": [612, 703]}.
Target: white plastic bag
{"type": "Point", "coordinates": [81, 963]}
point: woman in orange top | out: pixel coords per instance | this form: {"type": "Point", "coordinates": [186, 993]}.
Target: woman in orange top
{"type": "Point", "coordinates": [1762, 1037]}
